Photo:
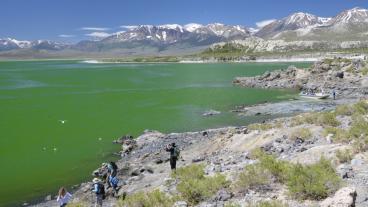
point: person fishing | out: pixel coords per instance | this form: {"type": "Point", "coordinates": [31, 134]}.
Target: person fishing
{"type": "Point", "coordinates": [99, 190]}
{"type": "Point", "coordinates": [63, 197]}
{"type": "Point", "coordinates": [174, 154]}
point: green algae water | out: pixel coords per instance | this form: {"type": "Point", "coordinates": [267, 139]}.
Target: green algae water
{"type": "Point", "coordinates": [58, 118]}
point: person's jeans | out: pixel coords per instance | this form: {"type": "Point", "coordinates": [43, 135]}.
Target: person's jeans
{"type": "Point", "coordinates": [173, 163]}
{"type": "Point", "coordinates": [98, 200]}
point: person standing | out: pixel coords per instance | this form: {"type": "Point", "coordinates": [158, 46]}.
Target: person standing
{"type": "Point", "coordinates": [334, 94]}
{"type": "Point", "coordinates": [63, 197]}
{"type": "Point", "coordinates": [174, 154]}
{"type": "Point", "coordinates": [112, 180]}
{"type": "Point", "coordinates": [99, 190]}
{"type": "Point", "coordinates": [112, 168]}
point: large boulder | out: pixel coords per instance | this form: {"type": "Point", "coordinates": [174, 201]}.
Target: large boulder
{"type": "Point", "coordinates": [345, 197]}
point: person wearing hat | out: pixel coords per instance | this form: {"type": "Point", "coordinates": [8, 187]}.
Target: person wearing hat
{"type": "Point", "coordinates": [174, 154]}
{"type": "Point", "coordinates": [99, 190]}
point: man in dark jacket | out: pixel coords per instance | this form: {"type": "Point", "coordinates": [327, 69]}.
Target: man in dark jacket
{"type": "Point", "coordinates": [174, 154]}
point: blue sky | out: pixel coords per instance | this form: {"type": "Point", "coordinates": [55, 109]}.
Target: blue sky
{"type": "Point", "coordinates": [72, 20]}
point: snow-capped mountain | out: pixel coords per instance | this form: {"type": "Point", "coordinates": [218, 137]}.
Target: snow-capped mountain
{"type": "Point", "coordinates": [9, 44]}
{"type": "Point", "coordinates": [352, 16]}
{"type": "Point", "coordinates": [12, 44]}
{"type": "Point", "coordinates": [168, 35]}
{"type": "Point", "coordinates": [351, 25]}
{"type": "Point", "coordinates": [292, 22]}
{"type": "Point", "coordinates": [171, 33]}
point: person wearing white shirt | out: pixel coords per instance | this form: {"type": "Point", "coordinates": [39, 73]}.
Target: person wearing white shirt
{"type": "Point", "coordinates": [64, 197]}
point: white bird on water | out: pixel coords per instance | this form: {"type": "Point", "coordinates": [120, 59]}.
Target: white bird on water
{"type": "Point", "coordinates": [62, 121]}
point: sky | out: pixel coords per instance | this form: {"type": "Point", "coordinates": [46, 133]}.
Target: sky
{"type": "Point", "coordinates": [75, 20]}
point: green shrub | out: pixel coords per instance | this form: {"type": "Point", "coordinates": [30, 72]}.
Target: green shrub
{"type": "Point", "coordinates": [301, 133]}
{"type": "Point", "coordinates": [350, 69]}
{"type": "Point", "coordinates": [316, 181]}
{"type": "Point", "coordinates": [344, 110]}
{"type": "Point", "coordinates": [344, 156]}
{"type": "Point", "coordinates": [361, 107]}
{"type": "Point", "coordinates": [278, 168]}
{"type": "Point", "coordinates": [359, 133]}
{"type": "Point", "coordinates": [189, 172]}
{"type": "Point", "coordinates": [155, 198]}
{"type": "Point", "coordinates": [261, 127]}
{"type": "Point", "coordinates": [309, 118]}
{"type": "Point", "coordinates": [194, 187]}
{"type": "Point", "coordinates": [77, 204]}
{"type": "Point", "coordinates": [364, 70]}
{"type": "Point", "coordinates": [268, 204]}
{"type": "Point", "coordinates": [328, 61]}
{"type": "Point", "coordinates": [252, 176]}
{"type": "Point", "coordinates": [340, 135]}
{"type": "Point", "coordinates": [328, 118]}
{"type": "Point", "coordinates": [359, 127]}
{"type": "Point", "coordinates": [232, 205]}
{"type": "Point", "coordinates": [322, 118]}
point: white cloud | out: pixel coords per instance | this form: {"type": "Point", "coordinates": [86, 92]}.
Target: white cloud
{"type": "Point", "coordinates": [95, 28]}
{"type": "Point", "coordinates": [66, 36]}
{"type": "Point", "coordinates": [98, 34]}
{"type": "Point", "coordinates": [264, 22]}
{"type": "Point", "coordinates": [129, 27]}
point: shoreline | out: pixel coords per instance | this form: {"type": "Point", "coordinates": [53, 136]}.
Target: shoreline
{"type": "Point", "coordinates": [151, 141]}
{"type": "Point", "coordinates": [290, 60]}
{"type": "Point", "coordinates": [262, 108]}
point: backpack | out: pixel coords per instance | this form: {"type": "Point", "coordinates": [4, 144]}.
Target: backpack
{"type": "Point", "coordinates": [176, 152]}
{"type": "Point", "coordinates": [101, 190]}
{"type": "Point", "coordinates": [114, 166]}
{"type": "Point", "coordinates": [114, 181]}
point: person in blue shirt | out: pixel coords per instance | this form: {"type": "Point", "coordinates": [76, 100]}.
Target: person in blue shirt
{"type": "Point", "coordinates": [99, 190]}
{"type": "Point", "coordinates": [112, 180]}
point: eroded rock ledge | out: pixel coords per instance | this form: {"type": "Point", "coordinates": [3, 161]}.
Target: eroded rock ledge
{"type": "Point", "coordinates": [347, 77]}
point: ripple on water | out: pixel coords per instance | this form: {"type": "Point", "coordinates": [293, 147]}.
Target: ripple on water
{"type": "Point", "coordinates": [21, 84]}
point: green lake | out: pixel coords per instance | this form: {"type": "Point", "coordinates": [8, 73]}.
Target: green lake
{"type": "Point", "coordinates": [99, 103]}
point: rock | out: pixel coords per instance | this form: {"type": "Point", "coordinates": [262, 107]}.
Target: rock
{"type": "Point", "coordinates": [158, 161]}
{"type": "Point", "coordinates": [357, 162]}
{"type": "Point", "coordinates": [180, 204]}
{"type": "Point", "coordinates": [211, 113]}
{"type": "Point", "coordinates": [48, 198]}
{"type": "Point", "coordinates": [149, 169]}
{"type": "Point", "coordinates": [329, 138]}
{"type": "Point", "coordinates": [345, 197]}
{"type": "Point", "coordinates": [345, 171]}
{"type": "Point", "coordinates": [223, 195]}
{"type": "Point", "coordinates": [96, 173]}
{"type": "Point", "coordinates": [198, 159]}
{"type": "Point", "coordinates": [135, 172]}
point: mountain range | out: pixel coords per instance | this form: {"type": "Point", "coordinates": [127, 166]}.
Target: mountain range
{"type": "Point", "coordinates": [347, 26]}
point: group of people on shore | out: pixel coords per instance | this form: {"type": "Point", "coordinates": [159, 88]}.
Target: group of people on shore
{"type": "Point", "coordinates": [98, 188]}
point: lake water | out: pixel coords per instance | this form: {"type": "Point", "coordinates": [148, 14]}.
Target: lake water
{"type": "Point", "coordinates": [99, 103]}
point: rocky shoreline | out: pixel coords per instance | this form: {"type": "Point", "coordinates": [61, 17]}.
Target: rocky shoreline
{"type": "Point", "coordinates": [144, 164]}
{"type": "Point", "coordinates": [345, 76]}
